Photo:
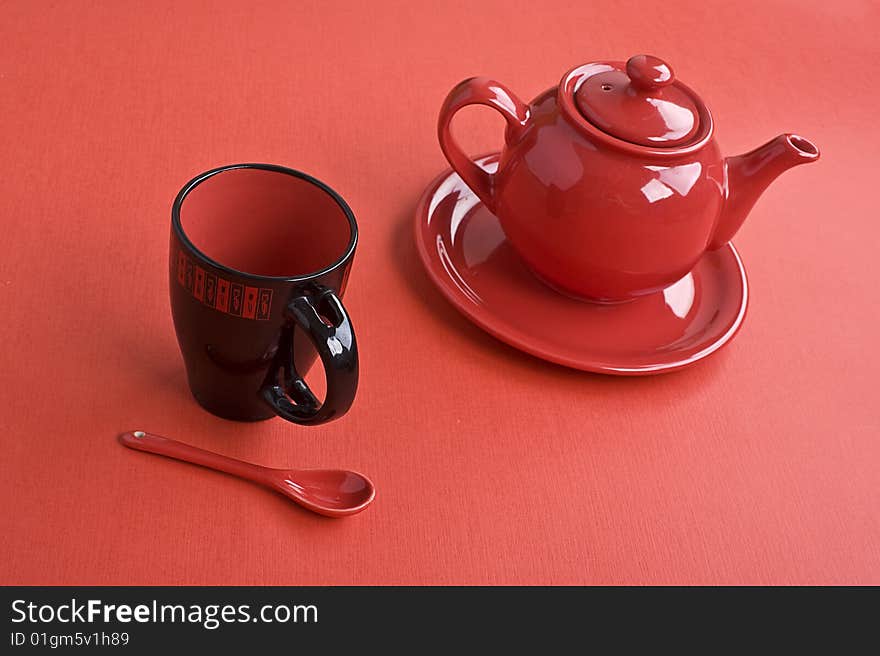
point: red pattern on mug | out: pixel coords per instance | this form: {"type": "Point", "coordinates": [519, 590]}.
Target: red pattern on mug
{"type": "Point", "coordinates": [250, 302]}
{"type": "Point", "coordinates": [264, 306]}
{"type": "Point", "coordinates": [221, 294]}
{"type": "Point", "coordinates": [222, 303]}
{"type": "Point", "coordinates": [188, 277]}
{"type": "Point", "coordinates": [236, 298]}
{"type": "Point", "coordinates": [210, 289]}
{"type": "Point", "coordinates": [181, 268]}
{"type": "Point", "coordinates": [199, 287]}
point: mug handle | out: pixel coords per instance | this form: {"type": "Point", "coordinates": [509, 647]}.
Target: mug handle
{"type": "Point", "coordinates": [324, 320]}
{"type": "Point", "coordinates": [479, 91]}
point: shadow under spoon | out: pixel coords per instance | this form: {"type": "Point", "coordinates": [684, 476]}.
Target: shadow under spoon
{"type": "Point", "coordinates": [328, 492]}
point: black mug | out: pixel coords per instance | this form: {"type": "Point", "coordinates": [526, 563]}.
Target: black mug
{"type": "Point", "coordinates": [259, 260]}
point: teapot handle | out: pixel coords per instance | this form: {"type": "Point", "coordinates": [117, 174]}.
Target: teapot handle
{"type": "Point", "coordinates": [479, 91]}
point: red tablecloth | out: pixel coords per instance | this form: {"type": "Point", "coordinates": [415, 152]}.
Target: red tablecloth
{"type": "Point", "coordinates": [759, 465]}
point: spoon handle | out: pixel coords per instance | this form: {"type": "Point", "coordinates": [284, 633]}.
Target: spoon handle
{"type": "Point", "coordinates": [163, 446]}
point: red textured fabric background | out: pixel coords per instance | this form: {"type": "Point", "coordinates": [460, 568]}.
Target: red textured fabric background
{"type": "Point", "coordinates": [759, 465]}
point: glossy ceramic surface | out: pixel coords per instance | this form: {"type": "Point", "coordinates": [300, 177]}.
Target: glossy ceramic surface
{"type": "Point", "coordinates": [611, 185]}
{"type": "Point", "coordinates": [639, 103]}
{"type": "Point", "coordinates": [467, 255]}
{"type": "Point", "coordinates": [329, 492]}
{"type": "Point", "coordinates": [259, 260]}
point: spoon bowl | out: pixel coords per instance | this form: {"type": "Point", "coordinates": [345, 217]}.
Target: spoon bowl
{"type": "Point", "coordinates": [328, 492]}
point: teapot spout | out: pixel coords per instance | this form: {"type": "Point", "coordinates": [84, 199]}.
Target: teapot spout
{"type": "Point", "coordinates": [748, 175]}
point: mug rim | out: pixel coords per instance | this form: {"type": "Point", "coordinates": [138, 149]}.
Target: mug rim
{"type": "Point", "coordinates": [196, 181]}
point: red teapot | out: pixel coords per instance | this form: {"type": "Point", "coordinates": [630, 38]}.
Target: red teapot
{"type": "Point", "coordinates": [611, 185]}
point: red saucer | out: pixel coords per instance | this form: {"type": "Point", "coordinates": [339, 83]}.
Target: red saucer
{"type": "Point", "coordinates": [467, 256]}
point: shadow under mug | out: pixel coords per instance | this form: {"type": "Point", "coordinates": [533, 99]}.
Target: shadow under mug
{"type": "Point", "coordinates": [259, 259]}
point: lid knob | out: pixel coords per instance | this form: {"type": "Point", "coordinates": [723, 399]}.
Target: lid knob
{"type": "Point", "coordinates": [649, 72]}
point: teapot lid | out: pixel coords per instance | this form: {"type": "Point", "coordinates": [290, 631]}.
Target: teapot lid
{"type": "Point", "coordinates": [640, 103]}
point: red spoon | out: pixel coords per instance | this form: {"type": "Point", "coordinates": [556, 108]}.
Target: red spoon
{"type": "Point", "coordinates": [330, 492]}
